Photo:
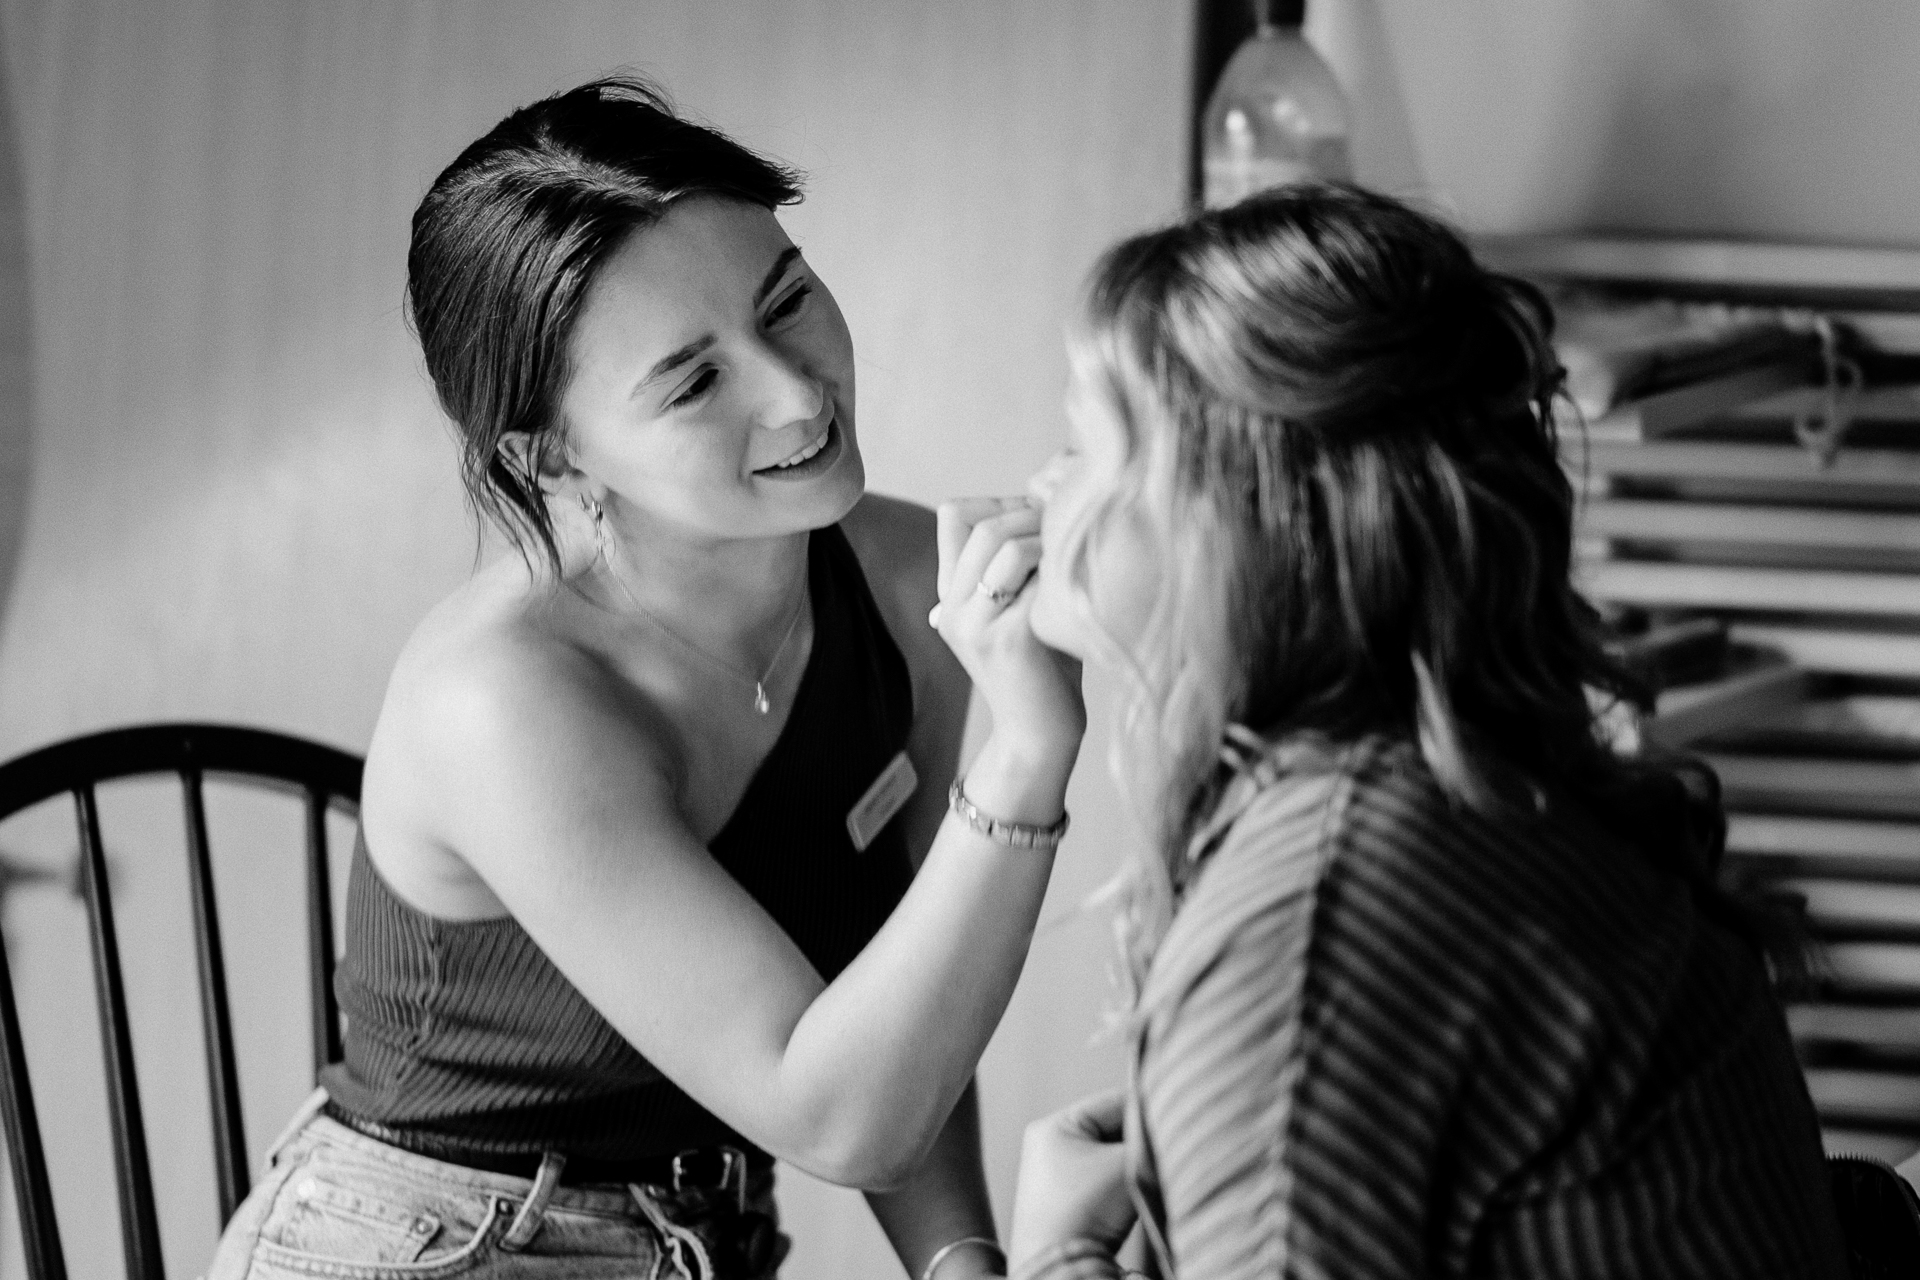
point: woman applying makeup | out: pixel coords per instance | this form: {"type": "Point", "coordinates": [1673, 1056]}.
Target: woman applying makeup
{"type": "Point", "coordinates": [635, 908]}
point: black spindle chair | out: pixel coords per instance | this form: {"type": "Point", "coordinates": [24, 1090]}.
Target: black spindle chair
{"type": "Point", "coordinates": [324, 777]}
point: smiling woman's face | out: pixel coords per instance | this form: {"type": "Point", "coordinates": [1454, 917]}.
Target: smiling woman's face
{"type": "Point", "coordinates": [712, 387]}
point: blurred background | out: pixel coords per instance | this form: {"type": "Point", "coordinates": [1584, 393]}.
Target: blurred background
{"type": "Point", "coordinates": [226, 492]}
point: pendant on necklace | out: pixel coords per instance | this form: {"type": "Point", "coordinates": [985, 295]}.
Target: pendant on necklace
{"type": "Point", "coordinates": [760, 702]}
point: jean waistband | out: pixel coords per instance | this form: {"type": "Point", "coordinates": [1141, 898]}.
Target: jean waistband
{"type": "Point", "coordinates": [702, 1168]}
{"type": "Point", "coordinates": [699, 1233]}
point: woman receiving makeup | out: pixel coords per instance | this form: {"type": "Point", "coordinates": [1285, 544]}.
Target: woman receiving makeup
{"type": "Point", "coordinates": [1429, 980]}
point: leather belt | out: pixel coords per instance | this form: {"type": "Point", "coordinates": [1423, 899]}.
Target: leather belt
{"type": "Point", "coordinates": [716, 1168]}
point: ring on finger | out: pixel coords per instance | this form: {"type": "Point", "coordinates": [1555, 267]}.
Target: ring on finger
{"type": "Point", "coordinates": [998, 597]}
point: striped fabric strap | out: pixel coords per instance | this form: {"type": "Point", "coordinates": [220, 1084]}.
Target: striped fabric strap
{"type": "Point", "coordinates": [1076, 1259]}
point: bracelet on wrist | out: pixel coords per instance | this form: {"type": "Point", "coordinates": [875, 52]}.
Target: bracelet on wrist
{"type": "Point", "coordinates": [947, 1250]}
{"type": "Point", "coordinates": [1018, 835]}
{"type": "Point", "coordinates": [1078, 1258]}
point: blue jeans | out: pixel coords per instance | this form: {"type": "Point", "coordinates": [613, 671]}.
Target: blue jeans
{"type": "Point", "coordinates": [337, 1204]}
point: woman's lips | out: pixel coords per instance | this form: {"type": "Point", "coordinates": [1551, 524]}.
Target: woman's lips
{"type": "Point", "coordinates": [816, 456]}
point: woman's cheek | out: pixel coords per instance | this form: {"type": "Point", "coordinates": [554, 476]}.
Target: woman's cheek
{"type": "Point", "coordinates": [1123, 586]}
{"type": "Point", "coordinates": [1124, 578]}
{"type": "Point", "coordinates": [1054, 617]}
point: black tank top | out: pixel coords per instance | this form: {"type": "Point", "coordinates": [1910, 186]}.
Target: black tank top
{"type": "Point", "coordinates": [465, 1035]}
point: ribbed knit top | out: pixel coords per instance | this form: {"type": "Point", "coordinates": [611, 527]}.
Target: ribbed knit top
{"type": "Point", "coordinates": [1388, 1037]}
{"type": "Point", "coordinates": [465, 1031]}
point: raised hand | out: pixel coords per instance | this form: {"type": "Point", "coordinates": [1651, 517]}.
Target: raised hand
{"type": "Point", "coordinates": [989, 549]}
{"type": "Point", "coordinates": [1073, 1179]}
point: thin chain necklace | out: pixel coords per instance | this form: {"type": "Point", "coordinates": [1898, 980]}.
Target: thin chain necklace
{"type": "Point", "coordinates": [761, 702]}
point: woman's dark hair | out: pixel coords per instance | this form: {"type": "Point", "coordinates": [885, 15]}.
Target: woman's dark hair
{"type": "Point", "coordinates": [507, 242]}
{"type": "Point", "coordinates": [1348, 425]}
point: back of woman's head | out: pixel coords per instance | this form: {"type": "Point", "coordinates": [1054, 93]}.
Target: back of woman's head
{"type": "Point", "coordinates": [1342, 426]}
{"type": "Point", "coordinates": [508, 241]}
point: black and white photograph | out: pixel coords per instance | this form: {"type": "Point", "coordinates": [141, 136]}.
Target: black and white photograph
{"type": "Point", "coordinates": [1024, 639]}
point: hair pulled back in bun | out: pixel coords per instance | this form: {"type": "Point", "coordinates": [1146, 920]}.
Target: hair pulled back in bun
{"type": "Point", "coordinates": [1343, 426]}
{"type": "Point", "coordinates": [505, 245]}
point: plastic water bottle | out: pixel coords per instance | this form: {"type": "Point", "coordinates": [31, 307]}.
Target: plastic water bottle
{"type": "Point", "coordinates": [1277, 115]}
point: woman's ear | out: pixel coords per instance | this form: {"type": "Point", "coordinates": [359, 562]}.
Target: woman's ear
{"type": "Point", "coordinates": [542, 461]}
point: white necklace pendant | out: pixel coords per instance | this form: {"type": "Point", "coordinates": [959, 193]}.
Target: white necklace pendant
{"type": "Point", "coordinates": [760, 702]}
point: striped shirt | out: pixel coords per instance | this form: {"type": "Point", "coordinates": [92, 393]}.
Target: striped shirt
{"type": "Point", "coordinates": [1387, 1037]}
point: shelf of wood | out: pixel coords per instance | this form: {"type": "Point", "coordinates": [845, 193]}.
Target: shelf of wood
{"type": "Point", "coordinates": [1655, 521]}
{"type": "Point", "coordinates": [1819, 784]}
{"type": "Point", "coordinates": [1881, 968]}
{"type": "Point", "coordinates": [1896, 1028]}
{"type": "Point", "coordinates": [1703, 505]}
{"type": "Point", "coordinates": [1874, 404]}
{"type": "Point", "coordinates": [1865, 1095]}
{"type": "Point", "coordinates": [1885, 279]}
{"type": "Point", "coordinates": [1659, 584]}
{"type": "Point", "coordinates": [1835, 650]}
{"type": "Point", "coordinates": [1857, 905]}
{"type": "Point", "coordinates": [1790, 835]}
{"type": "Point", "coordinates": [1893, 469]}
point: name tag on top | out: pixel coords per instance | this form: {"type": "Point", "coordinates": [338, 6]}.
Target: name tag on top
{"type": "Point", "coordinates": [883, 799]}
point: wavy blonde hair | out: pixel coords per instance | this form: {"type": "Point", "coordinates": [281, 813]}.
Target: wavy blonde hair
{"type": "Point", "coordinates": [1341, 428]}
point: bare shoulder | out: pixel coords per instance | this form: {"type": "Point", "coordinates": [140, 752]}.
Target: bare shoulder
{"type": "Point", "coordinates": [898, 547]}
{"type": "Point", "coordinates": [492, 690]}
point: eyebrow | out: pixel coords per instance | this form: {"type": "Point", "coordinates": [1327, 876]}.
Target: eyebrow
{"type": "Point", "coordinates": [780, 265]}
{"type": "Point", "coordinates": [673, 360]}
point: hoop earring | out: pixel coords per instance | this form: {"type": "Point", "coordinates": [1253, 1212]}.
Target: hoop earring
{"type": "Point", "coordinates": [597, 514]}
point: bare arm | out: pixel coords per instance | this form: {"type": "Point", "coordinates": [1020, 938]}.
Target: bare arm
{"type": "Point", "coordinates": [560, 798]}
{"type": "Point", "coordinates": [945, 1200]}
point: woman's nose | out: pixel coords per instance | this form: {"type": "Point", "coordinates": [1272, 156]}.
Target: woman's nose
{"type": "Point", "coordinates": [1041, 484]}
{"type": "Point", "coordinates": [791, 394]}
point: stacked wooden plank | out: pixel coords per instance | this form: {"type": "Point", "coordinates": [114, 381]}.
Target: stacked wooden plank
{"type": "Point", "coordinates": [1704, 507]}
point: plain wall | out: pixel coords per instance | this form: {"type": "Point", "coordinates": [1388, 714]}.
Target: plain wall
{"type": "Point", "coordinates": [241, 496]}
{"type": "Point", "coordinates": [1753, 119]}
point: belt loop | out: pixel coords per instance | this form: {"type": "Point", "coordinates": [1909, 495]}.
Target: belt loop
{"type": "Point", "coordinates": [301, 1119]}
{"type": "Point", "coordinates": [733, 1173]}
{"type": "Point", "coordinates": [526, 1223]}
{"type": "Point", "coordinates": [678, 1245]}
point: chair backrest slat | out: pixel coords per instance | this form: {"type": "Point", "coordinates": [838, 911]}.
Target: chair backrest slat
{"type": "Point", "coordinates": [39, 1229]}
{"type": "Point", "coordinates": [139, 1223]}
{"type": "Point", "coordinates": [216, 1020]}
{"type": "Point", "coordinates": [326, 1011]}
{"type": "Point", "coordinates": [323, 776]}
